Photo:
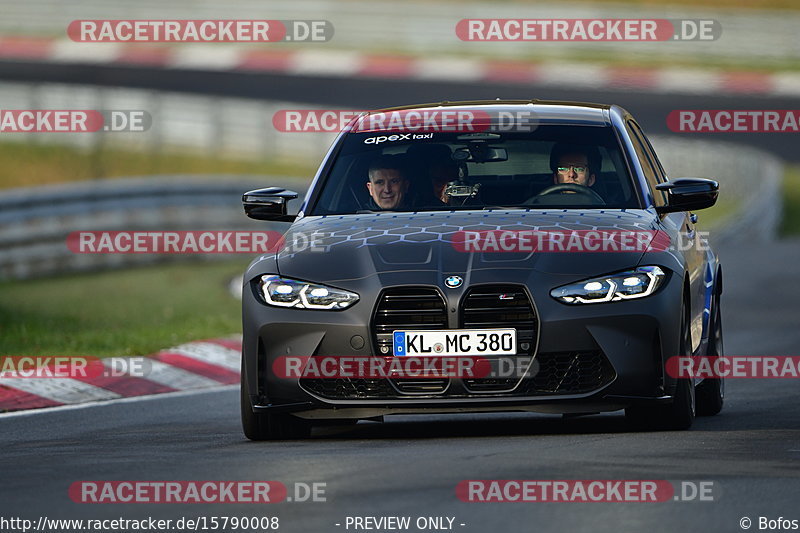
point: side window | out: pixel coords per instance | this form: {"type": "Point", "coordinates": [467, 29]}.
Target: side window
{"type": "Point", "coordinates": [652, 173]}
{"type": "Point", "coordinates": [662, 176]}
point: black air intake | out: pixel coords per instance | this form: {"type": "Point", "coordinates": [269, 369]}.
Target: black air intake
{"type": "Point", "coordinates": [409, 308]}
{"type": "Point", "coordinates": [500, 306]}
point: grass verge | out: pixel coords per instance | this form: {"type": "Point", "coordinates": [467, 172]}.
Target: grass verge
{"type": "Point", "coordinates": [125, 312]}
{"type": "Point", "coordinates": [29, 165]}
{"type": "Point", "coordinates": [714, 217]}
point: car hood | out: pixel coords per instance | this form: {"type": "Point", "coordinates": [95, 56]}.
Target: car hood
{"type": "Point", "coordinates": [349, 247]}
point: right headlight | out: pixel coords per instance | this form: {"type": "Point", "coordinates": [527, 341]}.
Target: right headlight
{"type": "Point", "coordinates": [284, 292]}
{"type": "Point", "coordinates": [628, 285]}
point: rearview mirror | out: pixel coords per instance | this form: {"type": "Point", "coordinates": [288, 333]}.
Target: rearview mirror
{"type": "Point", "coordinates": [478, 152]}
{"type": "Point", "coordinates": [688, 194]}
{"type": "Point", "coordinates": [269, 204]}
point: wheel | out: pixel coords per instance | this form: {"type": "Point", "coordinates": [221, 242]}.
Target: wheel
{"type": "Point", "coordinates": [711, 392]}
{"type": "Point", "coordinates": [266, 426]}
{"type": "Point", "coordinates": [679, 414]}
{"type": "Point", "coordinates": [683, 408]}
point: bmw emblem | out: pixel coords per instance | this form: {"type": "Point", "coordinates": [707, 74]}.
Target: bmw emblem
{"type": "Point", "coordinates": [453, 282]}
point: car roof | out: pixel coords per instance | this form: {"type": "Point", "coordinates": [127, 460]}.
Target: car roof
{"type": "Point", "coordinates": [547, 111]}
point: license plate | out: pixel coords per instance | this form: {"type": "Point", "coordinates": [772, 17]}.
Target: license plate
{"type": "Point", "coordinates": [455, 342]}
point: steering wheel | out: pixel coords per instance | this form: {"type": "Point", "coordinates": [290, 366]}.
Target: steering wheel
{"type": "Point", "coordinates": [582, 190]}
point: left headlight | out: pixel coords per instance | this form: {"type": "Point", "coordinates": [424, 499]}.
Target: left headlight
{"type": "Point", "coordinates": [283, 292]}
{"type": "Point", "coordinates": [627, 285]}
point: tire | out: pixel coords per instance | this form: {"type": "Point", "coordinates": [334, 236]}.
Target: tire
{"type": "Point", "coordinates": [678, 415]}
{"type": "Point", "coordinates": [711, 392]}
{"type": "Point", "coordinates": [265, 426]}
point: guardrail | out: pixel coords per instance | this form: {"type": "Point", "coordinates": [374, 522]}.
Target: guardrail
{"type": "Point", "coordinates": [750, 182]}
{"type": "Point", "coordinates": [35, 222]}
{"type": "Point", "coordinates": [230, 127]}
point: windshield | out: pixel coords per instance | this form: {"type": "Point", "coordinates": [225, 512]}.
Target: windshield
{"type": "Point", "coordinates": [554, 166]}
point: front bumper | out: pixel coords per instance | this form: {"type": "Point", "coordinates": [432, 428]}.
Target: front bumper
{"type": "Point", "coordinates": [623, 346]}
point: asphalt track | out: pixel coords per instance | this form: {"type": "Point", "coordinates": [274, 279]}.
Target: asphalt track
{"type": "Point", "coordinates": [410, 466]}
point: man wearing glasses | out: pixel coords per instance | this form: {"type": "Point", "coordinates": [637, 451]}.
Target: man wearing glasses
{"type": "Point", "coordinates": [574, 164]}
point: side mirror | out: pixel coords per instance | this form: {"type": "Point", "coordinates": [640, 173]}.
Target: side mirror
{"type": "Point", "coordinates": [688, 194]}
{"type": "Point", "coordinates": [268, 204]}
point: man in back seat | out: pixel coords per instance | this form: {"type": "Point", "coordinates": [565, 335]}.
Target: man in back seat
{"type": "Point", "coordinates": [434, 168]}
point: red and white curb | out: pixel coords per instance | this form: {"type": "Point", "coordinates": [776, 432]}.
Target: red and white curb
{"type": "Point", "coordinates": [190, 366]}
{"type": "Point", "coordinates": [231, 57]}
